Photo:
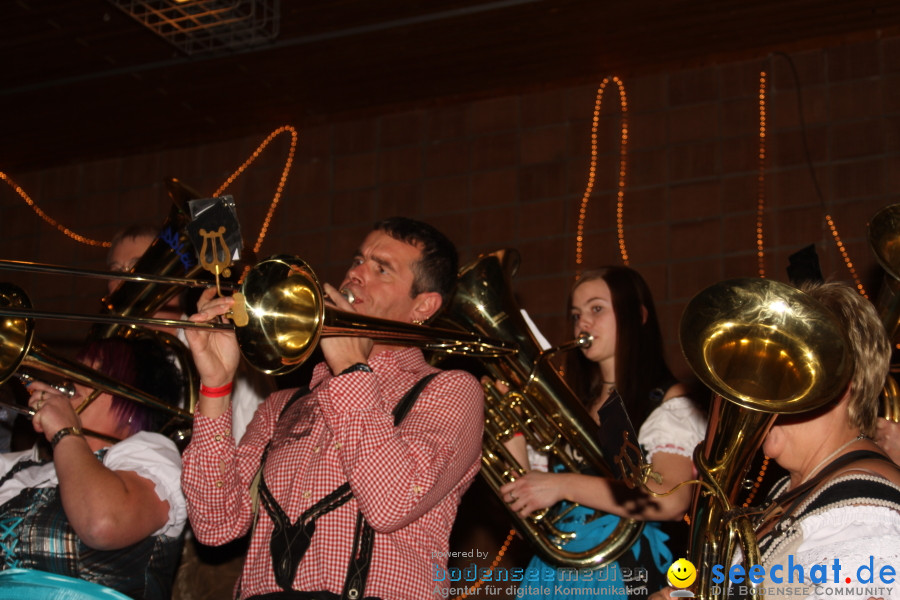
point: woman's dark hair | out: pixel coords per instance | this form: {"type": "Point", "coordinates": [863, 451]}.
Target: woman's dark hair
{"type": "Point", "coordinates": [144, 364]}
{"type": "Point", "coordinates": [641, 367]}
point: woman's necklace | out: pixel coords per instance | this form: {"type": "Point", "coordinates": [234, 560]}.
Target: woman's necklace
{"type": "Point", "coordinates": [828, 458]}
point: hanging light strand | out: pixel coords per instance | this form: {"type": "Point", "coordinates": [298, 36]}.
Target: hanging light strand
{"type": "Point", "coordinates": [623, 169]}
{"type": "Point", "coordinates": [264, 229]}
{"type": "Point", "coordinates": [592, 173]}
{"type": "Point", "coordinates": [473, 589]}
{"type": "Point", "coordinates": [47, 218]}
{"type": "Point", "coordinates": [845, 256]}
{"type": "Point", "coordinates": [761, 180]}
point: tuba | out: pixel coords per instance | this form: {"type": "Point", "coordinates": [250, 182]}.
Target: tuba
{"type": "Point", "coordinates": [170, 255]}
{"type": "Point", "coordinates": [884, 240]}
{"type": "Point", "coordinates": [764, 348]}
{"type": "Point", "coordinates": [543, 407]}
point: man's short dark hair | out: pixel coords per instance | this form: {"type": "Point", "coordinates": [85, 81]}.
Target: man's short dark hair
{"type": "Point", "coordinates": [436, 270]}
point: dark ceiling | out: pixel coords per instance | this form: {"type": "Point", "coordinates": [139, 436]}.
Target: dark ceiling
{"type": "Point", "coordinates": [82, 80]}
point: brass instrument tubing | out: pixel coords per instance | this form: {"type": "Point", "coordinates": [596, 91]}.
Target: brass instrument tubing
{"type": "Point", "coordinates": [27, 313]}
{"type": "Point", "coordinates": [29, 414]}
{"type": "Point", "coordinates": [30, 267]}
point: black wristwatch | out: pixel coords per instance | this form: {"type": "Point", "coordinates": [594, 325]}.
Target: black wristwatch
{"type": "Point", "coordinates": [357, 367]}
{"type": "Point", "coordinates": [64, 432]}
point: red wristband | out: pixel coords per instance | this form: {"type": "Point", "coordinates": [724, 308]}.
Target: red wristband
{"type": "Point", "coordinates": [216, 392]}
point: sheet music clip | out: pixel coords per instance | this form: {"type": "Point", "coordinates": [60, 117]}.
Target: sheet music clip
{"type": "Point", "coordinates": [218, 218]}
{"type": "Point", "coordinates": [215, 231]}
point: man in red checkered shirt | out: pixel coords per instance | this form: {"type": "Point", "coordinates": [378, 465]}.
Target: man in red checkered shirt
{"type": "Point", "coordinates": [405, 479]}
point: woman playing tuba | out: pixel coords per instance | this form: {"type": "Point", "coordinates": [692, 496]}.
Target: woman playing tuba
{"type": "Point", "coordinates": [614, 305]}
{"type": "Point", "coordinates": [838, 509]}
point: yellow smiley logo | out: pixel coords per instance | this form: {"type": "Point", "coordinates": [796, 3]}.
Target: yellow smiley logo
{"type": "Point", "coordinates": [682, 573]}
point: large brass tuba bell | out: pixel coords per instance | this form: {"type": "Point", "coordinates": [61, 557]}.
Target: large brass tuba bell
{"type": "Point", "coordinates": [543, 407]}
{"type": "Point", "coordinates": [884, 240]}
{"type": "Point", "coordinates": [170, 255]}
{"type": "Point", "coordinates": [764, 348]}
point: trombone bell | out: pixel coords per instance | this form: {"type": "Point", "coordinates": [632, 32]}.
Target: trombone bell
{"type": "Point", "coordinates": [286, 311]}
{"type": "Point", "coordinates": [19, 349]}
{"type": "Point", "coordinates": [288, 316]}
{"type": "Point", "coordinates": [764, 348]}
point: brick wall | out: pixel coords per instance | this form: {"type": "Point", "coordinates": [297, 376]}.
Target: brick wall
{"type": "Point", "coordinates": [510, 172]}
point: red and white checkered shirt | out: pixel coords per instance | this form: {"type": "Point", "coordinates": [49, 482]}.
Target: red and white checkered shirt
{"type": "Point", "coordinates": [407, 481]}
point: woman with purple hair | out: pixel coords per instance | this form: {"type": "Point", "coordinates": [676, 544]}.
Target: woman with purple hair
{"type": "Point", "coordinates": [84, 507]}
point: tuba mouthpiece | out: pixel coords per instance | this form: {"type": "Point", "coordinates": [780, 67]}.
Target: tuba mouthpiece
{"type": "Point", "coordinates": [584, 340]}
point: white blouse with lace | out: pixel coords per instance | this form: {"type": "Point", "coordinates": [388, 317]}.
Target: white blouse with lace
{"type": "Point", "coordinates": [676, 427]}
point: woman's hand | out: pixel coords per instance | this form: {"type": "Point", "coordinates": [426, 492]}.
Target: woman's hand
{"type": "Point", "coordinates": [52, 410]}
{"type": "Point", "coordinates": [533, 491]}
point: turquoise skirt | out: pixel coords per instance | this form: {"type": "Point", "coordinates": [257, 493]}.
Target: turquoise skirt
{"type": "Point", "coordinates": [546, 582]}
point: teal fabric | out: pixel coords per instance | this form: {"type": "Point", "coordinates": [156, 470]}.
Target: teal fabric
{"type": "Point", "coordinates": [607, 582]}
{"type": "Point", "coordinates": [16, 584]}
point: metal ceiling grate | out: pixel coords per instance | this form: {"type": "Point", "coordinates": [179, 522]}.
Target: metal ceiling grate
{"type": "Point", "coordinates": [207, 26]}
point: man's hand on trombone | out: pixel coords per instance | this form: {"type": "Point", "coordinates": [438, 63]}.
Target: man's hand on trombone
{"type": "Point", "coordinates": [341, 352]}
{"type": "Point", "coordinates": [215, 351]}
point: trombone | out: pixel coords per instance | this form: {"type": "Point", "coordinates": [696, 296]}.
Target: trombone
{"type": "Point", "coordinates": [19, 349]}
{"type": "Point", "coordinates": [280, 319]}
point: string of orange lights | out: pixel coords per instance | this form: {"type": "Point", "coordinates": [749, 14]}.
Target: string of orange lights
{"type": "Point", "coordinates": [47, 218]}
{"type": "Point", "coordinates": [761, 179]}
{"type": "Point", "coordinates": [622, 176]}
{"type": "Point", "coordinates": [253, 156]}
{"type": "Point", "coordinates": [289, 161]}
{"type": "Point", "coordinates": [585, 200]}
{"type": "Point", "coordinates": [592, 173]}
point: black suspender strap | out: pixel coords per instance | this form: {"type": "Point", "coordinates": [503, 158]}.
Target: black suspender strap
{"type": "Point", "coordinates": [410, 398]}
{"type": "Point", "coordinates": [785, 505]}
{"type": "Point", "coordinates": [358, 569]}
{"type": "Point", "coordinates": [290, 541]}
{"type": "Point", "coordinates": [792, 499]}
